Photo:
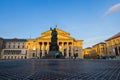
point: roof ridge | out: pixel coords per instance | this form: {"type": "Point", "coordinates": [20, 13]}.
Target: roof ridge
{"type": "Point", "coordinates": [114, 36]}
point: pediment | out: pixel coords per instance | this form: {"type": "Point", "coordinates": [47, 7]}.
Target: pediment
{"type": "Point", "coordinates": [58, 30]}
{"type": "Point", "coordinates": [61, 35]}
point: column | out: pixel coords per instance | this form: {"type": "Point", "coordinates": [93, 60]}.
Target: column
{"type": "Point", "coordinates": [47, 47]}
{"type": "Point", "coordinates": [72, 51]}
{"type": "Point", "coordinates": [62, 48]}
{"type": "Point", "coordinates": [43, 52]}
{"type": "Point", "coordinates": [67, 50]}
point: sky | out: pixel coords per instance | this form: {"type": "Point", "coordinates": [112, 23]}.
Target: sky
{"type": "Point", "coordinates": [93, 21]}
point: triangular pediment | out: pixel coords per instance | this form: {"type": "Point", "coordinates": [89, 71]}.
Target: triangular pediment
{"type": "Point", "coordinates": [58, 30]}
{"type": "Point", "coordinates": [61, 34]}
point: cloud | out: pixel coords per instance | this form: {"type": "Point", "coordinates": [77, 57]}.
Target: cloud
{"type": "Point", "coordinates": [113, 9]}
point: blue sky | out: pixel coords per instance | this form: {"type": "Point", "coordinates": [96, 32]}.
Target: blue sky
{"type": "Point", "coordinates": [90, 20]}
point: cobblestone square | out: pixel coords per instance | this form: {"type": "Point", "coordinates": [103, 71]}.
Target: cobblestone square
{"type": "Point", "coordinates": [59, 69]}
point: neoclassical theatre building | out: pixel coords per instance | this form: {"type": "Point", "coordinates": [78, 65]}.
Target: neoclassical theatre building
{"type": "Point", "coordinates": [39, 47]}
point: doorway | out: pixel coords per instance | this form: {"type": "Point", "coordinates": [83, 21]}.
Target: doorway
{"type": "Point", "coordinates": [116, 51]}
{"type": "Point", "coordinates": [33, 54]}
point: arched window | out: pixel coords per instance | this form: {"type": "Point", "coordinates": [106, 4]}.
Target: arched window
{"type": "Point", "coordinates": [70, 43]}
{"type": "Point", "coordinates": [65, 43]}
{"type": "Point", "coordinates": [60, 43]}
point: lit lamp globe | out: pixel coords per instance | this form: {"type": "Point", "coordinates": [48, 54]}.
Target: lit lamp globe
{"type": "Point", "coordinates": [34, 48]}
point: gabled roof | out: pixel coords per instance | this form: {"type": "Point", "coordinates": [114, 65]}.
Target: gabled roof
{"type": "Point", "coordinates": [115, 36]}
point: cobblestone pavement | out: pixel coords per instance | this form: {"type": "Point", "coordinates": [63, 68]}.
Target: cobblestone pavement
{"type": "Point", "coordinates": [61, 69]}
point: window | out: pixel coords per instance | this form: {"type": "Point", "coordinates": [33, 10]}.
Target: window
{"type": "Point", "coordinates": [26, 51]}
{"type": "Point", "coordinates": [13, 46]}
{"type": "Point", "coordinates": [21, 57]}
{"type": "Point", "coordinates": [9, 46]}
{"type": "Point", "coordinates": [11, 57]}
{"type": "Point", "coordinates": [23, 46]}
{"type": "Point", "coordinates": [15, 57]}
{"type": "Point", "coordinates": [5, 57]}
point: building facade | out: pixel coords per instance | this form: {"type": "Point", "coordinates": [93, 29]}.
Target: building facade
{"type": "Point", "coordinates": [87, 51]}
{"type": "Point", "coordinates": [39, 47]}
{"type": "Point", "coordinates": [68, 46]}
{"type": "Point", "coordinates": [99, 49]}
{"type": "Point", "coordinates": [96, 51]}
{"type": "Point", "coordinates": [1, 45]}
{"type": "Point", "coordinates": [113, 45]}
{"type": "Point", "coordinates": [14, 49]}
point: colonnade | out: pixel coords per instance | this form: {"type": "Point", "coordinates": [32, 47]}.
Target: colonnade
{"type": "Point", "coordinates": [65, 48]}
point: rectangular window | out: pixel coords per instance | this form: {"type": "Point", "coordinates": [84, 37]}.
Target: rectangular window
{"type": "Point", "coordinates": [18, 46]}
{"type": "Point", "coordinates": [9, 46]}
{"type": "Point", "coordinates": [13, 46]}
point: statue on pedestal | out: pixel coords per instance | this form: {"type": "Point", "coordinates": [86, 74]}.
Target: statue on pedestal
{"type": "Point", "coordinates": [53, 48]}
{"type": "Point", "coordinates": [54, 45]}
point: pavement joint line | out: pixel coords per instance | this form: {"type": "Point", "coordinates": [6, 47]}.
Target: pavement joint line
{"type": "Point", "coordinates": [95, 75]}
{"type": "Point", "coordinates": [104, 72]}
{"type": "Point", "coordinates": [118, 75]}
{"type": "Point", "coordinates": [108, 73]}
{"type": "Point", "coordinates": [87, 75]}
{"type": "Point", "coordinates": [110, 78]}
{"type": "Point", "coordinates": [29, 75]}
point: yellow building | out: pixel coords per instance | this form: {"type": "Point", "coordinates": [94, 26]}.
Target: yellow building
{"type": "Point", "coordinates": [113, 45]}
{"type": "Point", "coordinates": [87, 51]}
{"type": "Point", "coordinates": [68, 46]}
{"type": "Point", "coordinates": [99, 49]}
